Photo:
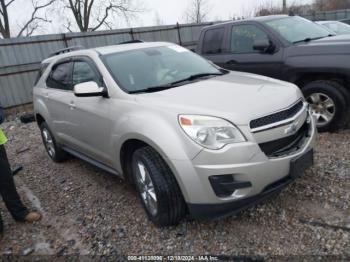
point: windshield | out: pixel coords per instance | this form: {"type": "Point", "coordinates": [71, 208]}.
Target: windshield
{"type": "Point", "coordinates": [338, 27]}
{"type": "Point", "coordinates": [144, 68]}
{"type": "Point", "coordinates": [295, 29]}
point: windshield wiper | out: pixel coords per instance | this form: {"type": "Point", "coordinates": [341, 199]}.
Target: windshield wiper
{"type": "Point", "coordinates": [152, 89]}
{"type": "Point", "coordinates": [308, 39]}
{"type": "Point", "coordinates": [196, 76]}
{"type": "Point", "coordinates": [174, 84]}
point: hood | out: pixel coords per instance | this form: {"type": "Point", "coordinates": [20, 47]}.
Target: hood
{"type": "Point", "coordinates": [239, 97]}
{"type": "Point", "coordinates": [333, 45]}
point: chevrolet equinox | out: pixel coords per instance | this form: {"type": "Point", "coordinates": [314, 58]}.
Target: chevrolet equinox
{"type": "Point", "coordinates": [192, 137]}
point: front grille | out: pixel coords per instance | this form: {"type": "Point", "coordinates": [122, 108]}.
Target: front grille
{"type": "Point", "coordinates": [286, 145]}
{"type": "Point", "coordinates": [277, 117]}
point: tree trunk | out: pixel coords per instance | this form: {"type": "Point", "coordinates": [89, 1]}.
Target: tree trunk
{"type": "Point", "coordinates": [4, 26]}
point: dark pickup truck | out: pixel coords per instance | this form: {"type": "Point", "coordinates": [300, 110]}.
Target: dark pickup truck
{"type": "Point", "coordinates": [288, 48]}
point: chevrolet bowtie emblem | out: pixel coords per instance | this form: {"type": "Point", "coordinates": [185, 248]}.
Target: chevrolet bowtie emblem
{"type": "Point", "coordinates": [291, 129]}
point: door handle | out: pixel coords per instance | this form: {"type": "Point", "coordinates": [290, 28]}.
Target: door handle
{"type": "Point", "coordinates": [46, 95]}
{"type": "Point", "coordinates": [231, 62]}
{"type": "Point", "coordinates": [72, 106]}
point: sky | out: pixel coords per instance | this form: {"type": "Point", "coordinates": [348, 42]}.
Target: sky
{"type": "Point", "coordinates": [168, 12]}
{"type": "Point", "coordinates": [173, 11]}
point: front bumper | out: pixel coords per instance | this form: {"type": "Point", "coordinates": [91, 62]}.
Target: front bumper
{"type": "Point", "coordinates": [246, 162]}
{"type": "Point", "coordinates": [208, 211]}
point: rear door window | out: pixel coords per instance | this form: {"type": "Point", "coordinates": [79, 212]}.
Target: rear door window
{"type": "Point", "coordinates": [61, 77]}
{"type": "Point", "coordinates": [212, 42]}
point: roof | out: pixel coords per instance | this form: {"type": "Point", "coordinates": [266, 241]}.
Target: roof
{"type": "Point", "coordinates": [267, 18]}
{"type": "Point", "coordinates": [126, 47]}
{"type": "Point", "coordinates": [108, 49]}
{"type": "Point", "coordinates": [326, 22]}
{"type": "Point", "coordinates": [258, 19]}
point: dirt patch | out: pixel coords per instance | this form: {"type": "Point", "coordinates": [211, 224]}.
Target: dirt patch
{"type": "Point", "coordinates": [87, 211]}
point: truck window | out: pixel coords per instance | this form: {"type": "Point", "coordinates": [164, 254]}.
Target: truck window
{"type": "Point", "coordinates": [61, 77]}
{"type": "Point", "coordinates": [212, 43]}
{"type": "Point", "coordinates": [243, 38]}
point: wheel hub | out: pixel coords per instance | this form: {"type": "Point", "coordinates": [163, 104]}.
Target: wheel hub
{"type": "Point", "coordinates": [323, 108]}
{"type": "Point", "coordinates": [146, 187]}
{"type": "Point", "coordinates": [48, 142]}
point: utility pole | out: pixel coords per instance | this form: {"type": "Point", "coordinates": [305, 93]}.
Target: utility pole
{"type": "Point", "coordinates": [284, 6]}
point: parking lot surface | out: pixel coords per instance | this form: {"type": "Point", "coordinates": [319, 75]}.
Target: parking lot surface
{"type": "Point", "coordinates": [87, 211]}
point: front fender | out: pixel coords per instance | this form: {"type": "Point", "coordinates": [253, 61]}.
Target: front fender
{"type": "Point", "coordinates": [298, 66]}
{"type": "Point", "coordinates": [165, 136]}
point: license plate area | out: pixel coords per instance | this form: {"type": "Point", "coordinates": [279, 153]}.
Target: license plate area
{"type": "Point", "coordinates": [300, 164]}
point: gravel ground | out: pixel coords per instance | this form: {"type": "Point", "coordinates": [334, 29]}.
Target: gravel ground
{"type": "Point", "coordinates": [87, 211]}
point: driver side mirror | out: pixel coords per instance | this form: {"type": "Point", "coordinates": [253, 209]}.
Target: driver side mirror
{"type": "Point", "coordinates": [89, 89]}
{"type": "Point", "coordinates": [264, 46]}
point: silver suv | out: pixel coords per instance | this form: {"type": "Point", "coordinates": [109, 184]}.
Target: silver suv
{"type": "Point", "coordinates": [193, 138]}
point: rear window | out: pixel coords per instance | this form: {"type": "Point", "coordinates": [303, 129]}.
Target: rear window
{"type": "Point", "coordinates": [40, 72]}
{"type": "Point", "coordinates": [212, 43]}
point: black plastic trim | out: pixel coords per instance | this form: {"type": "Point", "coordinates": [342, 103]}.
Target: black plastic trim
{"type": "Point", "coordinates": [278, 116]}
{"type": "Point", "coordinates": [91, 161]}
{"type": "Point", "coordinates": [211, 211]}
{"type": "Point", "coordinates": [225, 185]}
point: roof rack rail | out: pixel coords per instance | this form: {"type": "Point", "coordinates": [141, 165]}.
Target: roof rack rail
{"type": "Point", "coordinates": [67, 50]}
{"type": "Point", "coordinates": [131, 42]}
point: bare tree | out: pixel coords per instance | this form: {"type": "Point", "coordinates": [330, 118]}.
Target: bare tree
{"type": "Point", "coordinates": [91, 15]}
{"type": "Point", "coordinates": [197, 11]}
{"type": "Point", "coordinates": [270, 7]}
{"type": "Point", "coordinates": [327, 5]}
{"type": "Point", "coordinates": [29, 26]}
{"type": "Point", "coordinates": [157, 19]}
{"type": "Point", "coordinates": [284, 6]}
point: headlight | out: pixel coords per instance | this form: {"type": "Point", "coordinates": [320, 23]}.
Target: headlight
{"type": "Point", "coordinates": [210, 132]}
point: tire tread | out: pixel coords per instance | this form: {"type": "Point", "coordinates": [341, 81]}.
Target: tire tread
{"type": "Point", "coordinates": [171, 205]}
{"type": "Point", "coordinates": [338, 94]}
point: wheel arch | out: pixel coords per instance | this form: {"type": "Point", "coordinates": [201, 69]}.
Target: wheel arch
{"type": "Point", "coordinates": [304, 79]}
{"type": "Point", "coordinates": [132, 143]}
{"type": "Point", "coordinates": [41, 112]}
{"type": "Point", "coordinates": [39, 119]}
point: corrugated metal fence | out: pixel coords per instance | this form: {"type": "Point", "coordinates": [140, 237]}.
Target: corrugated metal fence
{"type": "Point", "coordinates": [20, 57]}
{"type": "Point", "coordinates": [329, 15]}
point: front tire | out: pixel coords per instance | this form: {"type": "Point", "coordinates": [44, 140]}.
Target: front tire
{"type": "Point", "coordinates": [328, 104]}
{"type": "Point", "coordinates": [157, 188]}
{"type": "Point", "coordinates": [55, 152]}
{"type": "Point", "coordinates": [1, 227]}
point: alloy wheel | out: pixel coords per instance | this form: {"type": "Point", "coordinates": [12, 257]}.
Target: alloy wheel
{"type": "Point", "coordinates": [323, 108]}
{"type": "Point", "coordinates": [146, 188]}
{"type": "Point", "coordinates": [50, 147]}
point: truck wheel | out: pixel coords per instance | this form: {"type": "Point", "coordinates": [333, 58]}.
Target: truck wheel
{"type": "Point", "coordinates": [328, 104]}
{"type": "Point", "coordinates": [56, 153]}
{"type": "Point", "coordinates": [157, 188]}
